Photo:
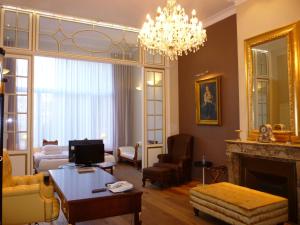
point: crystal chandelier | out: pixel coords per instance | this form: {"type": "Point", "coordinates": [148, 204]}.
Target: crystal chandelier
{"type": "Point", "coordinates": [172, 33]}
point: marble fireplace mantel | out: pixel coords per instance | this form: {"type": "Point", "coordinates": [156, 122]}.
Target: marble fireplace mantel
{"type": "Point", "coordinates": [235, 150]}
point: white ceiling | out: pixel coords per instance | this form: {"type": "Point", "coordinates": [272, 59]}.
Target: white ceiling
{"type": "Point", "coordinates": [124, 12]}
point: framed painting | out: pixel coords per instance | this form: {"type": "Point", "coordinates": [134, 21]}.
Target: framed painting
{"type": "Point", "coordinates": [207, 95]}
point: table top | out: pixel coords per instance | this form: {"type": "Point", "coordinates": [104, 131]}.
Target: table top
{"type": "Point", "coordinates": [78, 186]}
{"type": "Point", "coordinates": [106, 165]}
{"type": "Point", "coordinates": [205, 164]}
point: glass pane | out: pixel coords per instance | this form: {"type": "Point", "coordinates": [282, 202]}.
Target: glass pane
{"type": "Point", "coordinates": [158, 108]}
{"type": "Point", "coordinates": [148, 58]}
{"type": "Point", "coordinates": [158, 59]}
{"type": "Point", "coordinates": [21, 87]}
{"type": "Point", "coordinates": [21, 104]}
{"type": "Point", "coordinates": [47, 43]}
{"type": "Point", "coordinates": [10, 19]}
{"type": "Point", "coordinates": [23, 39]}
{"type": "Point", "coordinates": [159, 136]}
{"type": "Point", "coordinates": [23, 21]}
{"type": "Point", "coordinates": [150, 107]}
{"type": "Point", "coordinates": [10, 85]}
{"type": "Point", "coordinates": [9, 123]}
{"type": "Point", "coordinates": [158, 122]}
{"type": "Point", "coordinates": [158, 78]}
{"type": "Point", "coordinates": [90, 40]}
{"type": "Point", "coordinates": [69, 47]}
{"type": "Point", "coordinates": [9, 38]}
{"type": "Point", "coordinates": [150, 122]}
{"type": "Point", "coordinates": [10, 64]}
{"type": "Point", "coordinates": [21, 124]}
{"type": "Point", "coordinates": [21, 141]}
{"type": "Point", "coordinates": [151, 139]}
{"type": "Point", "coordinates": [22, 67]}
{"type": "Point", "coordinates": [70, 27]}
{"type": "Point", "coordinates": [150, 92]}
{"type": "Point", "coordinates": [9, 141]}
{"type": "Point", "coordinates": [48, 25]}
{"type": "Point", "coordinates": [158, 93]}
{"type": "Point", "coordinates": [9, 105]}
{"type": "Point", "coordinates": [150, 78]}
{"type": "Point", "coordinates": [87, 39]}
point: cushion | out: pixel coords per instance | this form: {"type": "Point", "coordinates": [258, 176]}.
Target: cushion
{"type": "Point", "coordinates": [245, 201]}
{"type": "Point", "coordinates": [51, 149]}
{"type": "Point", "coordinates": [127, 152]}
{"type": "Point", "coordinates": [46, 142]}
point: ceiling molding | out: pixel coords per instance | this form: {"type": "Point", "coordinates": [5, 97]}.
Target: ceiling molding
{"type": "Point", "coordinates": [221, 15]}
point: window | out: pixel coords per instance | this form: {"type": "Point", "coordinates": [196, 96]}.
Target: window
{"type": "Point", "coordinates": [73, 99]}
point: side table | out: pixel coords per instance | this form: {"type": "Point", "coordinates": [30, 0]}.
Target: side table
{"type": "Point", "coordinates": [107, 166]}
{"type": "Point", "coordinates": [203, 164]}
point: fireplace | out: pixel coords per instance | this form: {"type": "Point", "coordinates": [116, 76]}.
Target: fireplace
{"type": "Point", "coordinates": [271, 176]}
{"type": "Point", "coordinates": [268, 167]}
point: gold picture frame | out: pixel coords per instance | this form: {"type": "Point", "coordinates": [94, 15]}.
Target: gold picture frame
{"type": "Point", "coordinates": [292, 33]}
{"type": "Point", "coordinates": [207, 96]}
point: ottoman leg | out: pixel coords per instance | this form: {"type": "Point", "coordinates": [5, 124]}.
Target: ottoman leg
{"type": "Point", "coordinates": [196, 211]}
{"type": "Point", "coordinates": [144, 181]}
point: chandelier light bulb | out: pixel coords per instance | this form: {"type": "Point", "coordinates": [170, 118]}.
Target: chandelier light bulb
{"type": "Point", "coordinates": [159, 10]}
{"type": "Point", "coordinates": [172, 33]}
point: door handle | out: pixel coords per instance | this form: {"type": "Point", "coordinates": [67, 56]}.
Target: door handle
{"type": "Point", "coordinates": [1, 158]}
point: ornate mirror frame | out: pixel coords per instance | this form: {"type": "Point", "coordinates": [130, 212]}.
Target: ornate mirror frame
{"type": "Point", "coordinates": [292, 32]}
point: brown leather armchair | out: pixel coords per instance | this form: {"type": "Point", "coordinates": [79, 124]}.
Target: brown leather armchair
{"type": "Point", "coordinates": [179, 157]}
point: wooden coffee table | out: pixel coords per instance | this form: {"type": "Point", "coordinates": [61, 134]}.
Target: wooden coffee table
{"type": "Point", "coordinates": [79, 204]}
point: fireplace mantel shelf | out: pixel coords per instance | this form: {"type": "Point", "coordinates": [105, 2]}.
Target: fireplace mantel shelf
{"type": "Point", "coordinates": [264, 143]}
{"type": "Point", "coordinates": [279, 151]}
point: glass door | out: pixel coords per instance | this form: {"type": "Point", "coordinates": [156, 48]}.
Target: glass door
{"type": "Point", "coordinates": [154, 124]}
{"type": "Point", "coordinates": [16, 111]}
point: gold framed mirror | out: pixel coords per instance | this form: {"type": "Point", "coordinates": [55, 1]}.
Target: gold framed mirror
{"type": "Point", "coordinates": [273, 82]}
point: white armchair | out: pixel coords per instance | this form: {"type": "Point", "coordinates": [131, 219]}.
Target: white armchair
{"type": "Point", "coordinates": [131, 154]}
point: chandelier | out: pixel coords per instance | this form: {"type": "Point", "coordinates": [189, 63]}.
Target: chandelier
{"type": "Point", "coordinates": [172, 33]}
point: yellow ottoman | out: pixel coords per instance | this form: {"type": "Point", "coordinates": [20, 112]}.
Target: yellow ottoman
{"type": "Point", "coordinates": [239, 205]}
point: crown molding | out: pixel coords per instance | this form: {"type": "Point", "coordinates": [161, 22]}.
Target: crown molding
{"type": "Point", "coordinates": [224, 13]}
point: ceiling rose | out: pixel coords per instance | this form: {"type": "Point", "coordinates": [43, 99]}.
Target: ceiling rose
{"type": "Point", "coordinates": [172, 33]}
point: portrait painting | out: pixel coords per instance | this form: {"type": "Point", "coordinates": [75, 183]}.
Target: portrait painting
{"type": "Point", "coordinates": [207, 91]}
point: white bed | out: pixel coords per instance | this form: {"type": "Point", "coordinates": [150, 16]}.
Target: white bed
{"type": "Point", "coordinates": [43, 162]}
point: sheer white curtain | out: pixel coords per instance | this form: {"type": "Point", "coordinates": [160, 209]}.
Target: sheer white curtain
{"type": "Point", "coordinates": [73, 99]}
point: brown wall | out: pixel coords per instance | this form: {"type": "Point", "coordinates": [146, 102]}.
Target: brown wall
{"type": "Point", "coordinates": [218, 55]}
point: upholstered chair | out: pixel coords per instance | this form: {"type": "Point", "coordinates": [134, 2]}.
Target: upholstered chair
{"type": "Point", "coordinates": [26, 199]}
{"type": "Point", "coordinates": [179, 157]}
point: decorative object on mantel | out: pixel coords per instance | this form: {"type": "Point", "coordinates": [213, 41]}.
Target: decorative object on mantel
{"type": "Point", "coordinates": [279, 126]}
{"type": "Point", "coordinates": [207, 95]}
{"type": "Point", "coordinates": [266, 133]}
{"type": "Point", "coordinates": [172, 33]}
{"type": "Point", "coordinates": [238, 132]}
{"type": "Point", "coordinates": [283, 136]}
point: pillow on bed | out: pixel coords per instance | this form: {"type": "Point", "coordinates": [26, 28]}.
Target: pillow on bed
{"type": "Point", "coordinates": [51, 150]}
{"type": "Point", "coordinates": [46, 142]}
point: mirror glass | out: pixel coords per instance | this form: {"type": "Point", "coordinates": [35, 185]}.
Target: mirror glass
{"type": "Point", "coordinates": [270, 84]}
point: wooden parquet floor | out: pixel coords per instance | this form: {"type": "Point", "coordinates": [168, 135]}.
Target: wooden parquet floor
{"type": "Point", "coordinates": [168, 206]}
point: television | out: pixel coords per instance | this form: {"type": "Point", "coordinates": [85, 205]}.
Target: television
{"type": "Point", "coordinates": [89, 154]}
{"type": "Point", "coordinates": [73, 143]}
